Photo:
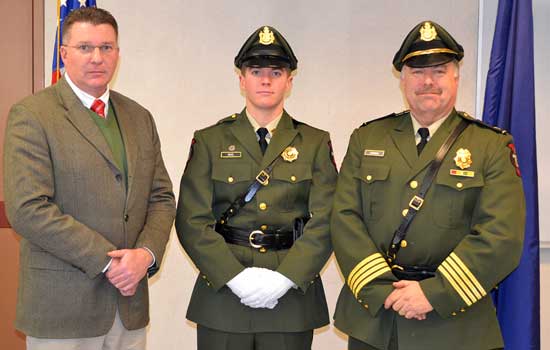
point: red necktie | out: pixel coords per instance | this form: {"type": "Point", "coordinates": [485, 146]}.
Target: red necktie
{"type": "Point", "coordinates": [99, 107]}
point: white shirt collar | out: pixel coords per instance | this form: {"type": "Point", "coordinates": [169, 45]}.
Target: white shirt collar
{"type": "Point", "coordinates": [86, 98]}
{"type": "Point", "coordinates": [432, 128]}
{"type": "Point", "coordinates": [271, 126]}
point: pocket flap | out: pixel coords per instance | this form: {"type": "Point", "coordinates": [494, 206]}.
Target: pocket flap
{"type": "Point", "coordinates": [232, 173]}
{"type": "Point", "coordinates": [373, 172]}
{"type": "Point", "coordinates": [292, 172]}
{"type": "Point", "coordinates": [459, 183]}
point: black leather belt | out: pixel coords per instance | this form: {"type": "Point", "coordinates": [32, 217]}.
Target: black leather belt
{"type": "Point", "coordinates": [413, 272]}
{"type": "Point", "coordinates": [259, 239]}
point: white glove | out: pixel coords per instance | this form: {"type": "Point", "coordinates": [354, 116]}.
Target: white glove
{"type": "Point", "coordinates": [273, 285]}
{"type": "Point", "coordinates": [246, 283]}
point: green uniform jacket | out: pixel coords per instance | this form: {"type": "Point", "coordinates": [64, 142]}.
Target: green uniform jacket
{"type": "Point", "coordinates": [212, 181]}
{"type": "Point", "coordinates": [470, 227]}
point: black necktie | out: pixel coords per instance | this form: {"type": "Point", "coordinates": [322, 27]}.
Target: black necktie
{"type": "Point", "coordinates": [424, 133]}
{"type": "Point", "coordinates": [262, 132]}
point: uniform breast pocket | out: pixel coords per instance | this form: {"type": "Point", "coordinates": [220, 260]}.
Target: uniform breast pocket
{"type": "Point", "coordinates": [231, 179]}
{"type": "Point", "coordinates": [454, 200]}
{"type": "Point", "coordinates": [290, 185]}
{"type": "Point", "coordinates": [374, 180]}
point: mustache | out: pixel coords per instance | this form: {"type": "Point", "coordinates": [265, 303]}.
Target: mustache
{"type": "Point", "coordinates": [428, 91]}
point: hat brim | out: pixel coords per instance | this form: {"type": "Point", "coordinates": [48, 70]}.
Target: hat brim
{"type": "Point", "coordinates": [266, 62]}
{"type": "Point", "coordinates": [430, 60]}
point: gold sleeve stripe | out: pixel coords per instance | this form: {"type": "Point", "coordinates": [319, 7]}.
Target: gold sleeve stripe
{"type": "Point", "coordinates": [454, 285]}
{"type": "Point", "coordinates": [464, 278]}
{"type": "Point", "coordinates": [468, 273]}
{"type": "Point", "coordinates": [361, 264]}
{"type": "Point", "coordinates": [370, 278]}
{"type": "Point", "coordinates": [365, 268]}
{"type": "Point", "coordinates": [371, 268]}
{"type": "Point", "coordinates": [458, 280]}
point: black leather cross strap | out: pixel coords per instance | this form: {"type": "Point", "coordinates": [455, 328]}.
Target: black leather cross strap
{"type": "Point", "coordinates": [418, 200]}
{"type": "Point", "coordinates": [262, 179]}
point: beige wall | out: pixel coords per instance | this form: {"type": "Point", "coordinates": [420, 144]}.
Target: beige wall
{"type": "Point", "coordinates": [177, 60]}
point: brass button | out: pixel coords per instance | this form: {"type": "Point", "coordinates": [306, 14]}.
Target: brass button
{"type": "Point", "coordinates": [413, 184]}
{"type": "Point", "coordinates": [293, 178]}
{"type": "Point", "coordinates": [366, 306]}
{"type": "Point", "coordinates": [459, 185]}
{"type": "Point", "coordinates": [262, 250]}
{"type": "Point", "coordinates": [359, 300]}
{"type": "Point", "coordinates": [404, 212]}
{"type": "Point", "coordinates": [234, 116]}
{"type": "Point", "coordinates": [454, 314]}
{"type": "Point", "coordinates": [311, 282]}
{"type": "Point", "coordinates": [263, 206]}
{"type": "Point", "coordinates": [230, 179]}
{"type": "Point", "coordinates": [263, 227]}
{"type": "Point", "coordinates": [203, 277]}
{"type": "Point", "coordinates": [208, 284]}
{"type": "Point", "coordinates": [403, 244]}
{"type": "Point", "coordinates": [369, 177]}
{"type": "Point", "coordinates": [462, 310]}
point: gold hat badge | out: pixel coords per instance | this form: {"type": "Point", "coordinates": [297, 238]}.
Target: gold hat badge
{"type": "Point", "coordinates": [427, 32]}
{"type": "Point", "coordinates": [266, 36]}
{"type": "Point", "coordinates": [463, 158]}
{"type": "Point", "coordinates": [290, 154]}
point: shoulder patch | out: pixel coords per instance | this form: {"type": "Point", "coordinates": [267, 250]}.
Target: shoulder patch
{"type": "Point", "coordinates": [514, 158]}
{"type": "Point", "coordinates": [229, 119]}
{"type": "Point", "coordinates": [481, 123]}
{"type": "Point", "coordinates": [392, 115]}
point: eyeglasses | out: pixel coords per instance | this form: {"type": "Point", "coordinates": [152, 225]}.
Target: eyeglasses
{"type": "Point", "coordinates": [87, 49]}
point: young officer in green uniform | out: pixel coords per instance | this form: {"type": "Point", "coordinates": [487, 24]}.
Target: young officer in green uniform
{"type": "Point", "coordinates": [420, 255]}
{"type": "Point", "coordinates": [254, 210]}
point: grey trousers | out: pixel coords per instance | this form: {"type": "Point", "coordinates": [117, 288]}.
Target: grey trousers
{"type": "Point", "coordinates": [118, 338]}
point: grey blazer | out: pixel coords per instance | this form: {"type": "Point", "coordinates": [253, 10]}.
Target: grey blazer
{"type": "Point", "coordinates": [67, 199]}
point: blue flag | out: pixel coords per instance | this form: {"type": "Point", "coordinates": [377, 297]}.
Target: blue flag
{"type": "Point", "coordinates": [64, 7]}
{"type": "Point", "coordinates": [510, 104]}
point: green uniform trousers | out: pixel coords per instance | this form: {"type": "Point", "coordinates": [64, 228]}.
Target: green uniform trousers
{"type": "Point", "coordinates": [212, 339]}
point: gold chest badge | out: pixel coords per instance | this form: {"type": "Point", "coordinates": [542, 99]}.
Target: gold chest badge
{"type": "Point", "coordinates": [290, 154]}
{"type": "Point", "coordinates": [463, 158]}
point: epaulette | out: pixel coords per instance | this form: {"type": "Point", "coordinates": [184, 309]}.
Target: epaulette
{"type": "Point", "coordinates": [231, 118]}
{"type": "Point", "coordinates": [391, 115]}
{"type": "Point", "coordinates": [481, 123]}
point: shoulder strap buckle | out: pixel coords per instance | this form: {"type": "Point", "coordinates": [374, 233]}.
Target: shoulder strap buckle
{"type": "Point", "coordinates": [416, 203]}
{"type": "Point", "coordinates": [263, 178]}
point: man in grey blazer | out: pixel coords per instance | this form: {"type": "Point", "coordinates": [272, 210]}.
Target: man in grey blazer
{"type": "Point", "coordinates": [88, 192]}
